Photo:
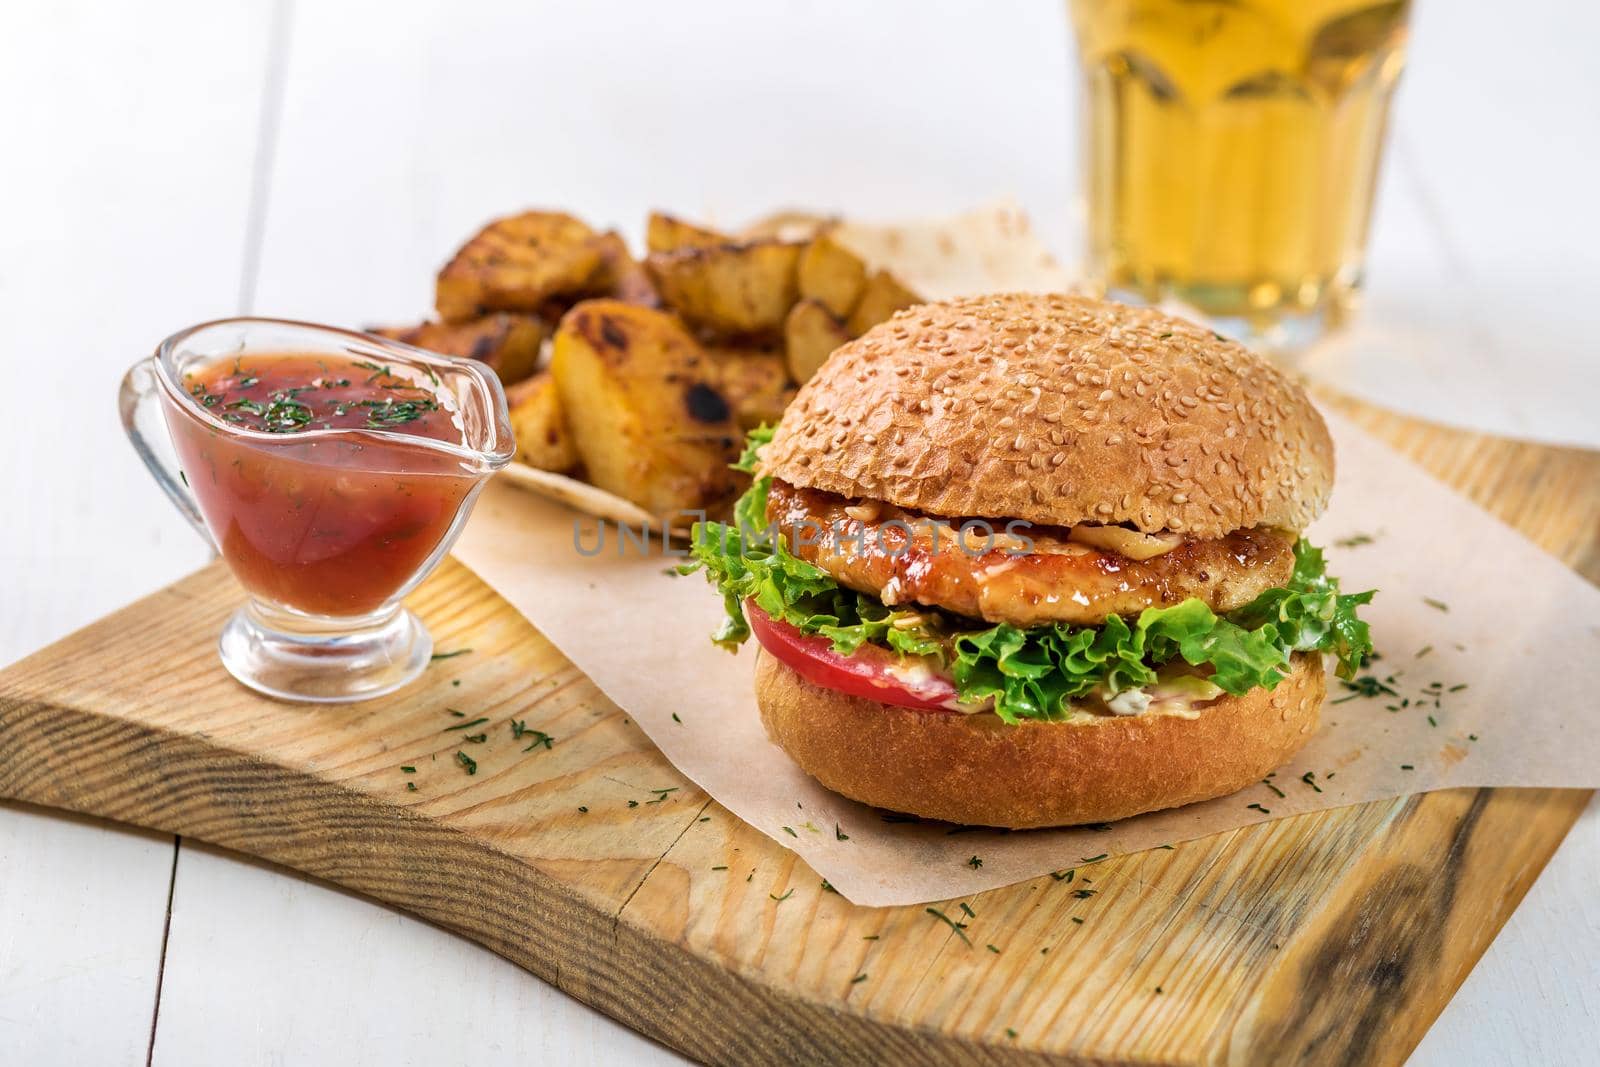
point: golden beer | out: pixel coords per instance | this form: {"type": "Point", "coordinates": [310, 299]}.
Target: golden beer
{"type": "Point", "coordinates": [1231, 151]}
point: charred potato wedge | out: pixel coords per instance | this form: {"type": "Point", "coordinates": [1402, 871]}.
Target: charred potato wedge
{"type": "Point", "coordinates": [664, 233]}
{"type": "Point", "coordinates": [755, 382]}
{"type": "Point", "coordinates": [543, 437]}
{"type": "Point", "coordinates": [621, 276]}
{"type": "Point", "coordinates": [518, 264]}
{"type": "Point", "coordinates": [729, 290]}
{"type": "Point", "coordinates": [645, 406]}
{"type": "Point", "coordinates": [832, 275]}
{"type": "Point", "coordinates": [509, 343]}
{"type": "Point", "coordinates": [810, 334]}
{"type": "Point", "coordinates": [881, 297]}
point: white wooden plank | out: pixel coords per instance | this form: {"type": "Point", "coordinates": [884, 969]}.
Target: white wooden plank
{"type": "Point", "coordinates": [267, 967]}
{"type": "Point", "coordinates": [129, 134]}
{"type": "Point", "coordinates": [82, 911]}
{"type": "Point", "coordinates": [451, 112]}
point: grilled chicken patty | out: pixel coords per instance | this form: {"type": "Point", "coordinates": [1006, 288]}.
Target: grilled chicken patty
{"type": "Point", "coordinates": [905, 557]}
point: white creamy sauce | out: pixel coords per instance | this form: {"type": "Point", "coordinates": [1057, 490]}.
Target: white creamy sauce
{"type": "Point", "coordinates": [1129, 702]}
{"type": "Point", "coordinates": [911, 671]}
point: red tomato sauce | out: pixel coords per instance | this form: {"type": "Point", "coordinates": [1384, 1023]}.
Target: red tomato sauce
{"type": "Point", "coordinates": [324, 524]}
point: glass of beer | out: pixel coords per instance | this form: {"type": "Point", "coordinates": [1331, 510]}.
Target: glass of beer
{"type": "Point", "coordinates": [1231, 151]}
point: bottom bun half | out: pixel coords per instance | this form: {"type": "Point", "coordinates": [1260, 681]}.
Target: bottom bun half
{"type": "Point", "coordinates": [978, 770]}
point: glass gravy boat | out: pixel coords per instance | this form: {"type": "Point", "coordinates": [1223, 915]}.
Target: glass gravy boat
{"type": "Point", "coordinates": [325, 526]}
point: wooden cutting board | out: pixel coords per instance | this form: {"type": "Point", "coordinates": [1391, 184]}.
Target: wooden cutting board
{"type": "Point", "coordinates": [1334, 937]}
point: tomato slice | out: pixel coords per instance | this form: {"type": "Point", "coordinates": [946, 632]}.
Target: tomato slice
{"type": "Point", "coordinates": [868, 673]}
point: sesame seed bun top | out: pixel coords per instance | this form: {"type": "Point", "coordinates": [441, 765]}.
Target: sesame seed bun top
{"type": "Point", "coordinates": [1059, 410]}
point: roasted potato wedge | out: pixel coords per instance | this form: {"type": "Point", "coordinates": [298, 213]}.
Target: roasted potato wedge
{"type": "Point", "coordinates": [518, 264]}
{"type": "Point", "coordinates": [832, 275]}
{"type": "Point", "coordinates": [664, 233]}
{"type": "Point", "coordinates": [729, 290]}
{"type": "Point", "coordinates": [789, 226]}
{"type": "Point", "coordinates": [755, 382]}
{"type": "Point", "coordinates": [621, 276]}
{"type": "Point", "coordinates": [882, 296]}
{"type": "Point", "coordinates": [509, 343]}
{"type": "Point", "coordinates": [646, 407]}
{"type": "Point", "coordinates": [810, 334]}
{"type": "Point", "coordinates": [543, 438]}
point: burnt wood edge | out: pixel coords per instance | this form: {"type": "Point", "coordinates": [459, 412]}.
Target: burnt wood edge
{"type": "Point", "coordinates": [1394, 954]}
{"type": "Point", "coordinates": [130, 773]}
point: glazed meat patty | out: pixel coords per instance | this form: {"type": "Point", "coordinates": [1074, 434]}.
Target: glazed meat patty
{"type": "Point", "coordinates": [903, 557]}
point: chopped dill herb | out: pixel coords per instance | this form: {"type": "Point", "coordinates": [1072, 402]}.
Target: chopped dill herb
{"type": "Point", "coordinates": [959, 928]}
{"type": "Point", "coordinates": [1369, 686]}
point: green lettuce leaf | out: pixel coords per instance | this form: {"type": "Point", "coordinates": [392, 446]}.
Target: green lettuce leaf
{"type": "Point", "coordinates": [1032, 673]}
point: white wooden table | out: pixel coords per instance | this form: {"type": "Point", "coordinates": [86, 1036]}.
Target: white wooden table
{"type": "Point", "coordinates": [169, 162]}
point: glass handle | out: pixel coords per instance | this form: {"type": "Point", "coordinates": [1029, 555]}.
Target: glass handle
{"type": "Point", "coordinates": [138, 402]}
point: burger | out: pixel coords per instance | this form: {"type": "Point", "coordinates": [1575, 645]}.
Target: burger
{"type": "Point", "coordinates": [1035, 560]}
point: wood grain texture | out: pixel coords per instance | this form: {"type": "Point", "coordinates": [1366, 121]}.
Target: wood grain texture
{"type": "Point", "coordinates": [1334, 937]}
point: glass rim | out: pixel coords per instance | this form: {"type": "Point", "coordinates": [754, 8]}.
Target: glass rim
{"type": "Point", "coordinates": [496, 452]}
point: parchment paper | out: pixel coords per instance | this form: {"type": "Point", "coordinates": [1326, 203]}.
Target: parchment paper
{"type": "Point", "coordinates": [1487, 646]}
